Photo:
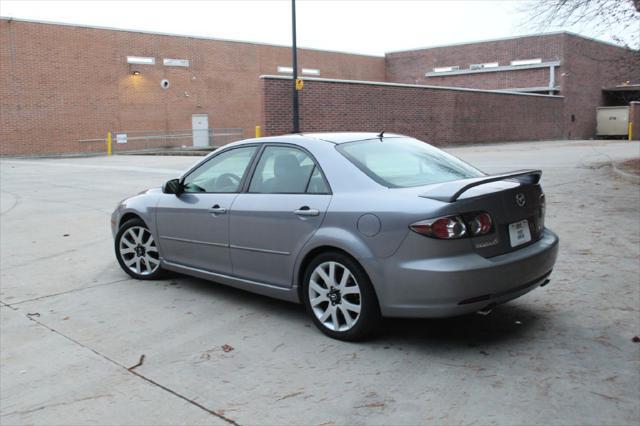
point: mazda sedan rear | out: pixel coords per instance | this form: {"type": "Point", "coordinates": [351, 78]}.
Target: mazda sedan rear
{"type": "Point", "coordinates": [356, 226]}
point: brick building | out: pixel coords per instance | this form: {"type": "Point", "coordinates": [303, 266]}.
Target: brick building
{"type": "Point", "coordinates": [585, 72]}
{"type": "Point", "coordinates": [63, 87]}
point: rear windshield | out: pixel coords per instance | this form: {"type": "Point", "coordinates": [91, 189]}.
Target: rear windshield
{"type": "Point", "coordinates": [405, 162]}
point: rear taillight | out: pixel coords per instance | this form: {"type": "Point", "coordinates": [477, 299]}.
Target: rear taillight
{"type": "Point", "coordinates": [454, 227]}
{"type": "Point", "coordinates": [481, 224]}
{"type": "Point", "coordinates": [445, 228]}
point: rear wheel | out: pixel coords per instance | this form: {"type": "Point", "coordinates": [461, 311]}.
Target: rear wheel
{"type": "Point", "coordinates": [340, 298]}
{"type": "Point", "coordinates": [136, 251]}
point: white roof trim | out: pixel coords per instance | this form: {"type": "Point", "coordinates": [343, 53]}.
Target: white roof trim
{"type": "Point", "coordinates": [494, 69]}
{"type": "Point", "coordinates": [531, 89]}
{"type": "Point", "coordinates": [418, 86]}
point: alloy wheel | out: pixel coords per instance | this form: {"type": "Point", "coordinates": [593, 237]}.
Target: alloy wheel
{"type": "Point", "coordinates": [138, 251]}
{"type": "Point", "coordinates": [334, 296]}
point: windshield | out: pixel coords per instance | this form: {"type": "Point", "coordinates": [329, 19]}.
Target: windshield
{"type": "Point", "coordinates": [405, 162]}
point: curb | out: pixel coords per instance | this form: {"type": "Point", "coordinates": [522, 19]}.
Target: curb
{"type": "Point", "coordinates": [624, 175]}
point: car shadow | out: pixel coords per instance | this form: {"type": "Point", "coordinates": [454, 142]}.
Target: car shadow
{"type": "Point", "coordinates": [506, 323]}
{"type": "Point", "coordinates": [509, 322]}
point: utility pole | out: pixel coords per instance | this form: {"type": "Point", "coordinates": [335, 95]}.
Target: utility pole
{"type": "Point", "coordinates": [296, 118]}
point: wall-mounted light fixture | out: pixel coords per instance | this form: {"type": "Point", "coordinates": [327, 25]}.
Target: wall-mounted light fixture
{"type": "Point", "coordinates": [136, 73]}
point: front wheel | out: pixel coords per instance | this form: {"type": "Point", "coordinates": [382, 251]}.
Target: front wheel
{"type": "Point", "coordinates": [136, 250]}
{"type": "Point", "coordinates": [340, 298]}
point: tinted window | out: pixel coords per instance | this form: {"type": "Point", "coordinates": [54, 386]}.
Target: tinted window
{"type": "Point", "coordinates": [222, 173]}
{"type": "Point", "coordinates": [282, 170]}
{"type": "Point", "coordinates": [405, 162]}
{"type": "Point", "coordinates": [317, 185]}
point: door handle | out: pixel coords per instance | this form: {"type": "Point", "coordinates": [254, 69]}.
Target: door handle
{"type": "Point", "coordinates": [306, 211]}
{"type": "Point", "coordinates": [217, 210]}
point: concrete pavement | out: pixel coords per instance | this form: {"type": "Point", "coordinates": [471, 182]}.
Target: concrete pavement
{"type": "Point", "coordinates": [73, 324]}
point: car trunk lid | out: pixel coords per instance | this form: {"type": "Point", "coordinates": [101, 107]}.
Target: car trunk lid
{"type": "Point", "coordinates": [514, 200]}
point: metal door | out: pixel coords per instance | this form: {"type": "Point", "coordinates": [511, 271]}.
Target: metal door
{"type": "Point", "coordinates": [200, 129]}
{"type": "Point", "coordinates": [613, 121]}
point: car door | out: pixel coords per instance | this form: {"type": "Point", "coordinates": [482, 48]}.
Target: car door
{"type": "Point", "coordinates": [284, 205]}
{"type": "Point", "coordinates": [193, 227]}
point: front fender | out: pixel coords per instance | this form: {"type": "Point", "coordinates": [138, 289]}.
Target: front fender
{"type": "Point", "coordinates": [142, 205]}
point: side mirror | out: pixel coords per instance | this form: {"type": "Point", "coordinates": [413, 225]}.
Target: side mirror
{"type": "Point", "coordinates": [172, 186]}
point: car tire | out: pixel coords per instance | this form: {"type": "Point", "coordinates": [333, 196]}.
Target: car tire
{"type": "Point", "coordinates": [342, 307]}
{"type": "Point", "coordinates": [137, 251]}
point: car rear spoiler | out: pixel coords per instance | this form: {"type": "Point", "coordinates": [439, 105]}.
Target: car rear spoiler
{"type": "Point", "coordinates": [451, 191]}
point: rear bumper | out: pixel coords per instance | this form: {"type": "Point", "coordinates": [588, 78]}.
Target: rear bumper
{"type": "Point", "coordinates": [462, 284]}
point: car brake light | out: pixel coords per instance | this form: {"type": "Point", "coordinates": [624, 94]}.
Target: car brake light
{"type": "Point", "coordinates": [445, 228]}
{"type": "Point", "coordinates": [481, 224]}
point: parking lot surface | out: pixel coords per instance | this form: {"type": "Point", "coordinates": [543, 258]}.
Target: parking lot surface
{"type": "Point", "coordinates": [74, 326]}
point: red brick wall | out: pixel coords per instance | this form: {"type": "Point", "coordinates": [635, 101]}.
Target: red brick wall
{"type": "Point", "coordinates": [411, 66]}
{"type": "Point", "coordinates": [60, 84]}
{"type": "Point", "coordinates": [589, 67]}
{"type": "Point", "coordinates": [586, 66]}
{"type": "Point", "coordinates": [634, 119]}
{"type": "Point", "coordinates": [438, 116]}
{"type": "Point", "coordinates": [537, 77]}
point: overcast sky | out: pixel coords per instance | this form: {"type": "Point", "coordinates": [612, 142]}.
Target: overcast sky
{"type": "Point", "coordinates": [369, 27]}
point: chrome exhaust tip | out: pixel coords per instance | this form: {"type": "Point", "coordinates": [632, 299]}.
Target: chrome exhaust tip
{"type": "Point", "coordinates": [485, 311]}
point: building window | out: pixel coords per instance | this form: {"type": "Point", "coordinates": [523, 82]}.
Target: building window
{"type": "Point", "coordinates": [526, 62]}
{"type": "Point", "coordinates": [446, 69]}
{"type": "Point", "coordinates": [169, 62]}
{"type": "Point", "coordinates": [306, 71]}
{"type": "Point", "coordinates": [285, 70]}
{"type": "Point", "coordinates": [485, 65]}
{"type": "Point", "coordinates": [141, 60]}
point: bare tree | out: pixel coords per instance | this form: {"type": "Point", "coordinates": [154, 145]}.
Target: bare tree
{"type": "Point", "coordinates": [617, 19]}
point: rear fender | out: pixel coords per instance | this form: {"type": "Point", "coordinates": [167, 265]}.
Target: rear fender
{"type": "Point", "coordinates": [337, 238]}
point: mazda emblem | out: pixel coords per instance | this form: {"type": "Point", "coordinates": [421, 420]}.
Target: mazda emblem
{"type": "Point", "coordinates": [520, 200]}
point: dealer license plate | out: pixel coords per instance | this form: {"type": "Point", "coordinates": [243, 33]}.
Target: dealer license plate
{"type": "Point", "coordinates": [519, 233]}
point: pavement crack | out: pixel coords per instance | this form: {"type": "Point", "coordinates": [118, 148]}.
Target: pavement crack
{"type": "Point", "coordinates": [3, 304]}
{"type": "Point", "coordinates": [54, 255]}
{"type": "Point", "coordinates": [57, 404]}
{"type": "Point", "coordinates": [135, 373]}
{"type": "Point", "coordinates": [46, 296]}
{"type": "Point", "coordinates": [16, 201]}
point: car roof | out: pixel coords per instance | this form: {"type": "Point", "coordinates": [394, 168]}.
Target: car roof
{"type": "Point", "coordinates": [331, 137]}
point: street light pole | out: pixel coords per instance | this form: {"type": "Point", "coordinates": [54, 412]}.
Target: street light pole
{"type": "Point", "coordinates": [296, 118]}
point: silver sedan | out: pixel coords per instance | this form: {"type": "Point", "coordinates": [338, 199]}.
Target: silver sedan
{"type": "Point", "coordinates": [356, 226]}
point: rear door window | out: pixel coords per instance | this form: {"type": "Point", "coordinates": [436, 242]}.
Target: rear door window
{"type": "Point", "coordinates": [286, 170]}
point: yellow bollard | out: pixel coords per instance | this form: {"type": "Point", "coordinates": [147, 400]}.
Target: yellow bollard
{"type": "Point", "coordinates": [630, 131]}
{"type": "Point", "coordinates": [258, 131]}
{"type": "Point", "coordinates": [108, 143]}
